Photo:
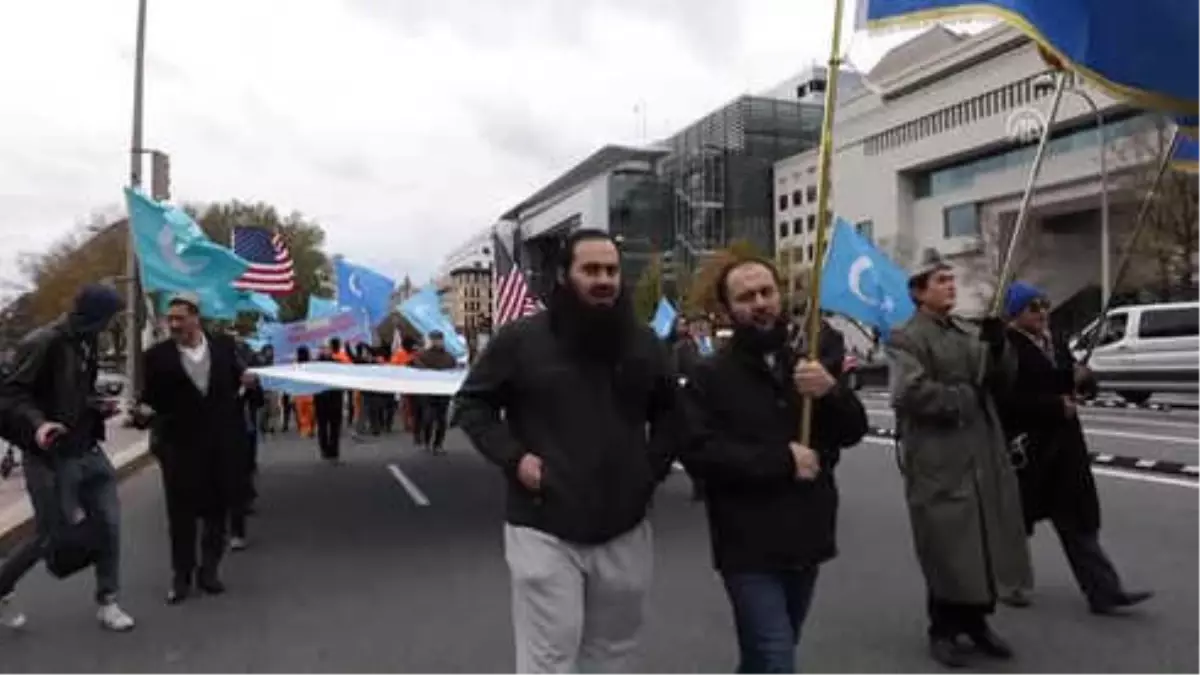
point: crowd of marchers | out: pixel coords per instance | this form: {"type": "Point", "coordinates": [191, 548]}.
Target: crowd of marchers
{"type": "Point", "coordinates": [585, 412]}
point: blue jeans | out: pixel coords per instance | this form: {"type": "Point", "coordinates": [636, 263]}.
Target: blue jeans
{"type": "Point", "coordinates": [769, 610]}
{"type": "Point", "coordinates": [89, 483]}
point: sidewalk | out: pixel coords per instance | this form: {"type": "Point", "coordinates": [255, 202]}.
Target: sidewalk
{"type": "Point", "coordinates": [127, 448]}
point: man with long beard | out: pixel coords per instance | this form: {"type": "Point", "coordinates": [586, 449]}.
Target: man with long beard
{"type": "Point", "coordinates": [772, 502]}
{"type": "Point", "coordinates": [578, 385]}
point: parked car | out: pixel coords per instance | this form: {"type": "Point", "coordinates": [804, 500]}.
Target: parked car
{"type": "Point", "coordinates": [1141, 350]}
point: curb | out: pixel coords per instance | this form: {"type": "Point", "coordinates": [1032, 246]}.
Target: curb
{"type": "Point", "coordinates": [1155, 466]}
{"type": "Point", "coordinates": [16, 522]}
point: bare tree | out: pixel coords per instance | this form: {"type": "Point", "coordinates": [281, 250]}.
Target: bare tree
{"type": "Point", "coordinates": [1164, 260]}
{"type": "Point", "coordinates": [982, 266]}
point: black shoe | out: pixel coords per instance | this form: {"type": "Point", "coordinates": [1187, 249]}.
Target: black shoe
{"type": "Point", "coordinates": [990, 644]}
{"type": "Point", "coordinates": [946, 651]}
{"type": "Point", "coordinates": [1018, 598]}
{"type": "Point", "coordinates": [180, 590]}
{"type": "Point", "coordinates": [210, 583]}
{"type": "Point", "coordinates": [1122, 600]}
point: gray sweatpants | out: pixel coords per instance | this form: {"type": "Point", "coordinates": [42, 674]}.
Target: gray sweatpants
{"type": "Point", "coordinates": [578, 608]}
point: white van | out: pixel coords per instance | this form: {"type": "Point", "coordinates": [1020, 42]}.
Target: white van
{"type": "Point", "coordinates": [1145, 349]}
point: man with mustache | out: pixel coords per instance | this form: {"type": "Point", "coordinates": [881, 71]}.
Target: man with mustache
{"type": "Point", "coordinates": [772, 502]}
{"type": "Point", "coordinates": [190, 400]}
{"type": "Point", "coordinates": [586, 394]}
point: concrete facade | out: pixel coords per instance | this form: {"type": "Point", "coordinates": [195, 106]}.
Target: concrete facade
{"type": "Point", "coordinates": [465, 282]}
{"type": "Point", "coordinates": [934, 152]}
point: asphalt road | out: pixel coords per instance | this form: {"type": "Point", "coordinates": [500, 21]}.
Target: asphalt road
{"type": "Point", "coordinates": [348, 573]}
{"type": "Point", "coordinates": [1143, 433]}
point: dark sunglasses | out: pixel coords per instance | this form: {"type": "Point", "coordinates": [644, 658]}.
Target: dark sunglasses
{"type": "Point", "coordinates": [1039, 306]}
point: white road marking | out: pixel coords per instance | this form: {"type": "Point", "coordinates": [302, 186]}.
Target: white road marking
{"type": "Point", "coordinates": [1110, 433]}
{"type": "Point", "coordinates": [410, 487]}
{"type": "Point", "coordinates": [1100, 471]}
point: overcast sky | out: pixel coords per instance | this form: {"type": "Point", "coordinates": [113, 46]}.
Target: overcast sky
{"type": "Point", "coordinates": [402, 126]}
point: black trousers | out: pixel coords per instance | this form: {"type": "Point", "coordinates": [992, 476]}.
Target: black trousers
{"type": "Point", "coordinates": [186, 522]}
{"type": "Point", "coordinates": [241, 509]}
{"type": "Point", "coordinates": [285, 402]}
{"type": "Point", "coordinates": [1093, 571]}
{"type": "Point", "coordinates": [951, 619]}
{"type": "Point", "coordinates": [433, 421]}
{"type": "Point", "coordinates": [329, 425]}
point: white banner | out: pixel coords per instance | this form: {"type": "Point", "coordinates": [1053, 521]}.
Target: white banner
{"type": "Point", "coordinates": [313, 377]}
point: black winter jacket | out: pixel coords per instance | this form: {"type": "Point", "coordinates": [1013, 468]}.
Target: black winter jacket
{"type": "Point", "coordinates": [586, 421]}
{"type": "Point", "coordinates": [53, 379]}
{"type": "Point", "coordinates": [741, 417]}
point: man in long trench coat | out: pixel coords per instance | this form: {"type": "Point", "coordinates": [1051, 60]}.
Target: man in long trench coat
{"type": "Point", "coordinates": [962, 492]}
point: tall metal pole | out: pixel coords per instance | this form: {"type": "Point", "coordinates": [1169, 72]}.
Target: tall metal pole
{"type": "Point", "coordinates": [825, 159]}
{"type": "Point", "coordinates": [1023, 212]}
{"type": "Point", "coordinates": [1105, 232]}
{"type": "Point", "coordinates": [133, 328]}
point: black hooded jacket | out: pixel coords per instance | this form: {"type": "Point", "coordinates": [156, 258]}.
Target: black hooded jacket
{"type": "Point", "coordinates": [602, 428]}
{"type": "Point", "coordinates": [54, 376]}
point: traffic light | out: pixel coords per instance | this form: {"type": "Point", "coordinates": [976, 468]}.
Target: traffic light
{"type": "Point", "coordinates": [160, 176]}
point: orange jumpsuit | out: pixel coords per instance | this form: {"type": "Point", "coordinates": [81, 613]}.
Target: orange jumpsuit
{"type": "Point", "coordinates": [403, 358]}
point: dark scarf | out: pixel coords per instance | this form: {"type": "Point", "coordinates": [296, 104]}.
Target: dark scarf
{"type": "Point", "coordinates": [595, 333]}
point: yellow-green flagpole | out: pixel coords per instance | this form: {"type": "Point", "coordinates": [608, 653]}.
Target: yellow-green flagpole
{"type": "Point", "coordinates": [813, 327]}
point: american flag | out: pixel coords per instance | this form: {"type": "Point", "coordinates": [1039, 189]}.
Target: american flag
{"type": "Point", "coordinates": [510, 293]}
{"type": "Point", "coordinates": [271, 269]}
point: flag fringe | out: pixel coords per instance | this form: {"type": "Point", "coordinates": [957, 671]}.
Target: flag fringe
{"type": "Point", "coordinates": [1141, 98]}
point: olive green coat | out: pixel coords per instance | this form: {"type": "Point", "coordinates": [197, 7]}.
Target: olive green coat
{"type": "Point", "coordinates": [963, 496]}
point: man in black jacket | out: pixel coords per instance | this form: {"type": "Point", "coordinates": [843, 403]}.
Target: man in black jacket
{"type": "Point", "coordinates": [50, 408]}
{"type": "Point", "coordinates": [577, 385]}
{"type": "Point", "coordinates": [772, 502]}
{"type": "Point", "coordinates": [431, 428]}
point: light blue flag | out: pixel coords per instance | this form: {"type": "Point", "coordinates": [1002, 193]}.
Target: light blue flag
{"type": "Point", "coordinates": [363, 290]}
{"type": "Point", "coordinates": [258, 303]}
{"type": "Point", "coordinates": [706, 346]}
{"type": "Point", "coordinates": [321, 307]}
{"type": "Point", "coordinates": [1186, 154]}
{"type": "Point", "coordinates": [664, 318]}
{"type": "Point", "coordinates": [1142, 51]}
{"type": "Point", "coordinates": [424, 311]}
{"type": "Point", "coordinates": [861, 282]}
{"type": "Point", "coordinates": [173, 254]}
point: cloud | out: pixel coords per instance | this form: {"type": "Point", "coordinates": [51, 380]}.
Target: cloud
{"type": "Point", "coordinates": [403, 127]}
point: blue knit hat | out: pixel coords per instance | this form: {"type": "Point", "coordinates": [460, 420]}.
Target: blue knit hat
{"type": "Point", "coordinates": [1018, 297]}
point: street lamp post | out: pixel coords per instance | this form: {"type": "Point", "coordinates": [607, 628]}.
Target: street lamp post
{"type": "Point", "coordinates": [133, 346]}
{"type": "Point", "coordinates": [1105, 244]}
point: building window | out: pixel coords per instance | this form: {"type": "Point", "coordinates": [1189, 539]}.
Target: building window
{"type": "Point", "coordinates": [812, 193]}
{"type": "Point", "coordinates": [810, 253]}
{"type": "Point", "coordinates": [797, 198]}
{"type": "Point", "coordinates": [961, 221]}
{"type": "Point", "coordinates": [783, 232]}
{"type": "Point", "coordinates": [782, 202]}
{"type": "Point", "coordinates": [797, 225]}
{"type": "Point", "coordinates": [812, 222]}
{"type": "Point", "coordinates": [866, 230]}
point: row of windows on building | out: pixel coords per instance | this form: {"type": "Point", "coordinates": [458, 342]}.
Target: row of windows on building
{"type": "Point", "coordinates": [799, 197]}
{"type": "Point", "coordinates": [866, 228]}
{"type": "Point", "coordinates": [806, 254]}
{"type": "Point", "coordinates": [990, 103]}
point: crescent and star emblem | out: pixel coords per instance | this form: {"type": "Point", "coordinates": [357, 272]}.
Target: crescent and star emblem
{"type": "Point", "coordinates": [857, 269]}
{"type": "Point", "coordinates": [166, 248]}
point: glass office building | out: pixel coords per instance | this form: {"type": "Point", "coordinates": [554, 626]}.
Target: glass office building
{"type": "Point", "coordinates": [719, 172]}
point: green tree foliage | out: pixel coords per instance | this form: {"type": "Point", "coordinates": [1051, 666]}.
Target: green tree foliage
{"type": "Point", "coordinates": [701, 296]}
{"type": "Point", "coordinates": [648, 289]}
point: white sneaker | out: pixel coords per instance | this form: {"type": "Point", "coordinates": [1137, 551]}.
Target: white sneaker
{"type": "Point", "coordinates": [112, 617]}
{"type": "Point", "coordinates": [10, 617]}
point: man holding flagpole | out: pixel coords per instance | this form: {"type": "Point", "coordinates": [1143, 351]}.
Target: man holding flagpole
{"type": "Point", "coordinates": [962, 492]}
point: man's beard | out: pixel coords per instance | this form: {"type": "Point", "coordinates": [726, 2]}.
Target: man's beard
{"type": "Point", "coordinates": [597, 331]}
{"type": "Point", "coordinates": [759, 340]}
